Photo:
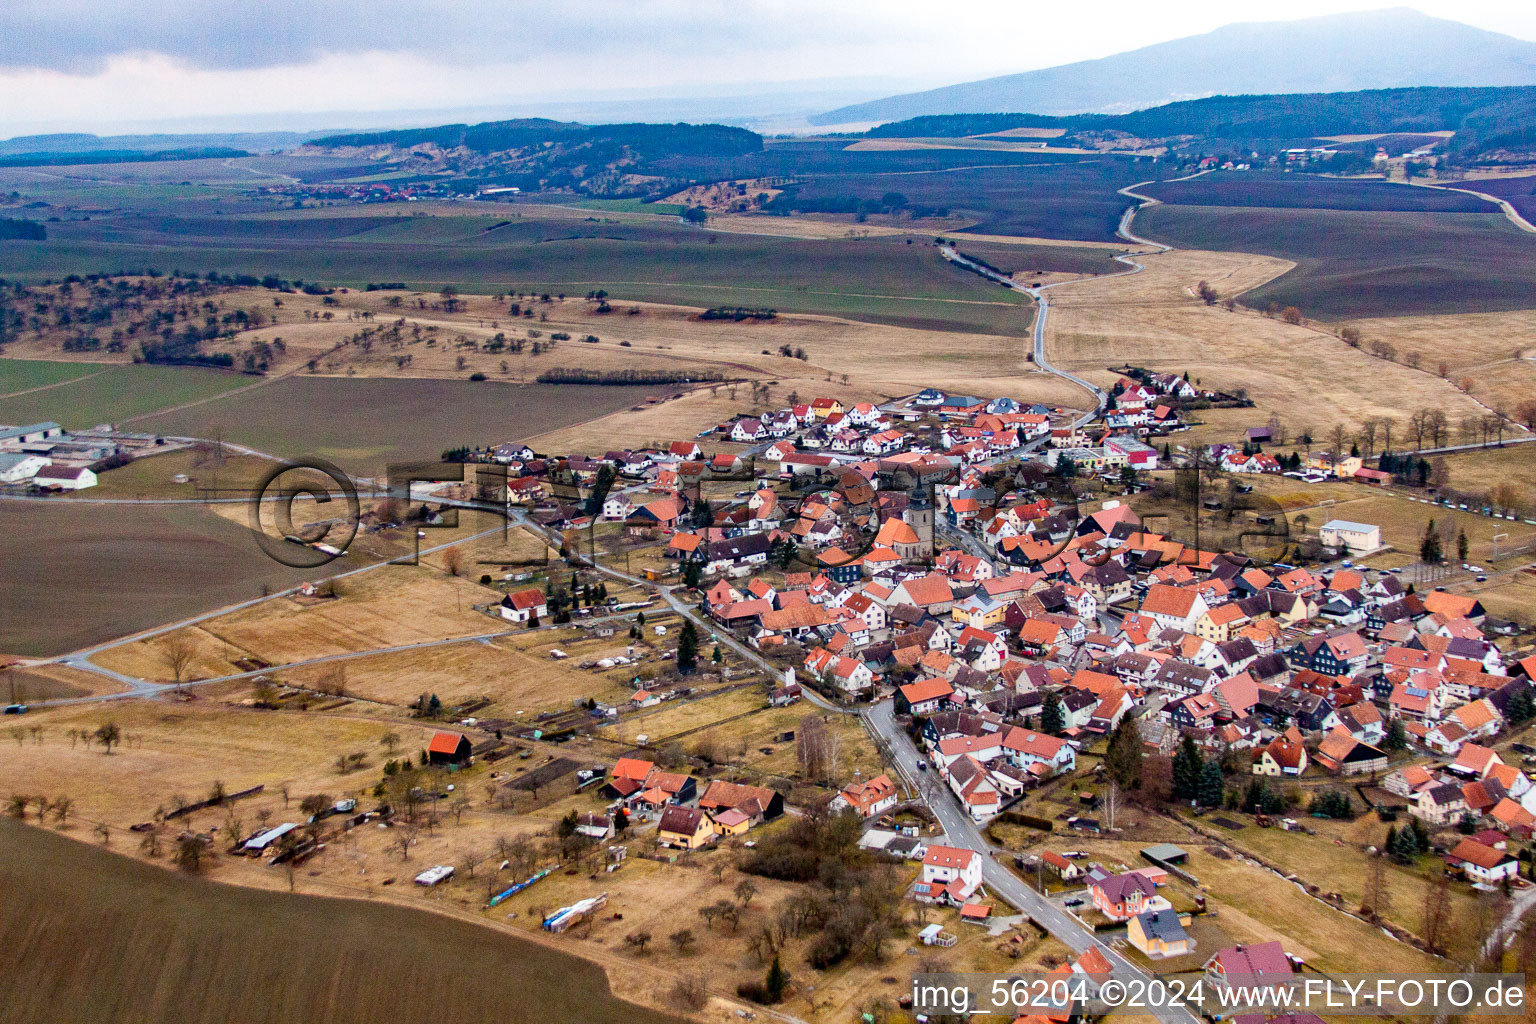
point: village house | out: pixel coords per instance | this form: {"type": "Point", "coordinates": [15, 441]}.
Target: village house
{"type": "Point", "coordinates": [1158, 934]}
{"type": "Point", "coordinates": [684, 828]}
{"type": "Point", "coordinates": [868, 799]}
{"type": "Point", "coordinates": [949, 875]}
{"type": "Point", "coordinates": [1441, 804]}
{"type": "Point", "coordinates": [1342, 754]}
{"type": "Point", "coordinates": [1280, 758]}
{"type": "Point", "coordinates": [1481, 863]}
{"type": "Point", "coordinates": [1122, 897]}
{"type": "Point", "coordinates": [1255, 961]}
{"type": "Point", "coordinates": [524, 606]}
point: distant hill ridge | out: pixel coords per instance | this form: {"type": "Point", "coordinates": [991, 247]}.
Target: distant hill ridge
{"type": "Point", "coordinates": [1384, 49]}
{"type": "Point", "coordinates": [1484, 119]}
{"type": "Point", "coordinates": [646, 140]}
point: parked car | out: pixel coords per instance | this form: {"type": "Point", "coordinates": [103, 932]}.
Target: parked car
{"type": "Point", "coordinates": [16, 709]}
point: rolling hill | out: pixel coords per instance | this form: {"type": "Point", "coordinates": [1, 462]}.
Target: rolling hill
{"type": "Point", "coordinates": [1486, 121]}
{"type": "Point", "coordinates": [1385, 49]}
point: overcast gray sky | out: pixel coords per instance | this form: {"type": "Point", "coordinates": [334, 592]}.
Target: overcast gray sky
{"type": "Point", "coordinates": [101, 65]}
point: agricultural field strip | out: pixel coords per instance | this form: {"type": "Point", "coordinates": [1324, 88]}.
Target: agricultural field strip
{"type": "Point", "coordinates": [81, 659]}
{"type": "Point", "coordinates": [324, 659]}
{"type": "Point", "coordinates": [1150, 201]}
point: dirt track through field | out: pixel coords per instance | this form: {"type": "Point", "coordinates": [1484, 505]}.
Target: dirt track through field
{"type": "Point", "coordinates": [50, 387]}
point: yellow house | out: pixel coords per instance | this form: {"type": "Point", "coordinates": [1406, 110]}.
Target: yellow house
{"type": "Point", "coordinates": [821, 408]}
{"type": "Point", "coordinates": [684, 828]}
{"type": "Point", "coordinates": [1335, 464]}
{"type": "Point", "coordinates": [979, 611]}
{"type": "Point", "coordinates": [1159, 933]}
{"type": "Point", "coordinates": [1217, 624]}
{"type": "Point", "coordinates": [731, 822]}
{"type": "Point", "coordinates": [1281, 758]}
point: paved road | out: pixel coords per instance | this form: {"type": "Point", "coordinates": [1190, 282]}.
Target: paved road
{"type": "Point", "coordinates": [1042, 310]}
{"type": "Point", "coordinates": [961, 831]}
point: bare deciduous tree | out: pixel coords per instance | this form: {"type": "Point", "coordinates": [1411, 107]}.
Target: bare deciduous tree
{"type": "Point", "coordinates": [178, 653]}
{"type": "Point", "coordinates": [403, 838]}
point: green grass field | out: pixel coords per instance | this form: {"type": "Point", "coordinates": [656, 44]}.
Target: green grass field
{"type": "Point", "coordinates": [26, 374]}
{"type": "Point", "coordinates": [93, 936]}
{"type": "Point", "coordinates": [123, 391]}
{"type": "Point", "coordinates": [1360, 264]}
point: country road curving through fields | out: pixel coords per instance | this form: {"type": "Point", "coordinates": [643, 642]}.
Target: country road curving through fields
{"type": "Point", "coordinates": [1042, 303]}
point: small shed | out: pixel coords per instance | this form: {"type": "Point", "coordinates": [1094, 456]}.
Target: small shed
{"type": "Point", "coordinates": [1165, 853]}
{"type": "Point", "coordinates": [448, 748]}
{"type": "Point", "coordinates": [935, 935]}
{"type": "Point", "coordinates": [975, 913]}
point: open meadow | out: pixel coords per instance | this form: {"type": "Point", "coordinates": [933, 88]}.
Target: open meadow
{"type": "Point", "coordinates": [1305, 376]}
{"type": "Point", "coordinates": [1492, 355]}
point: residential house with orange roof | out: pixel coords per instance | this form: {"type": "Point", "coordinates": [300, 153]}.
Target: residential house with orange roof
{"type": "Point", "coordinates": [1028, 748]}
{"type": "Point", "coordinates": [1513, 819]}
{"type": "Point", "coordinates": [1173, 607]}
{"type": "Point", "coordinates": [1342, 754]}
{"type": "Point", "coordinates": [1219, 624]}
{"type": "Point", "coordinates": [931, 593]}
{"type": "Point", "coordinates": [923, 697]}
{"type": "Point", "coordinates": [1280, 758]}
{"type": "Point", "coordinates": [1481, 863]}
{"type": "Point", "coordinates": [950, 874]}
{"type": "Point", "coordinates": [868, 799]}
{"type": "Point", "coordinates": [973, 786]}
{"type": "Point", "coordinates": [1474, 761]}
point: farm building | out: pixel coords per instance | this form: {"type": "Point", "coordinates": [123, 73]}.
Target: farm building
{"type": "Point", "coordinates": [1356, 538]}
{"type": "Point", "coordinates": [524, 605]}
{"type": "Point", "coordinates": [64, 478]}
{"type": "Point", "coordinates": [448, 748]}
{"type": "Point", "coordinates": [19, 467]}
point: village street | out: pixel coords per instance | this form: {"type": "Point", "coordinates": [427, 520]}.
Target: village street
{"type": "Point", "coordinates": [961, 831]}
